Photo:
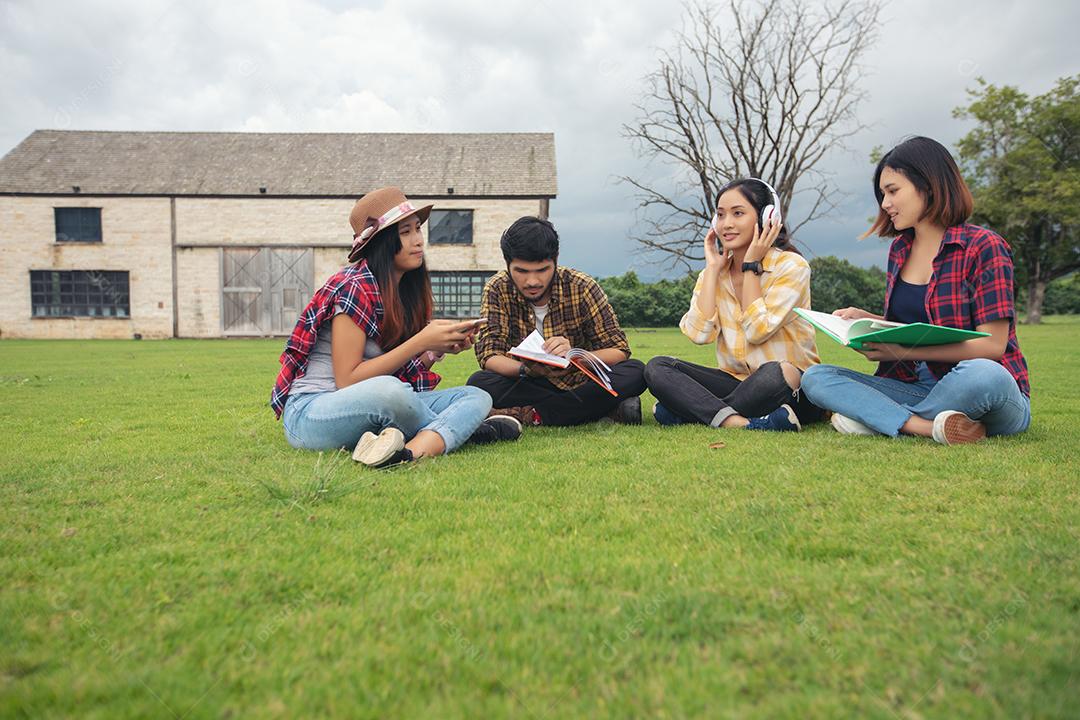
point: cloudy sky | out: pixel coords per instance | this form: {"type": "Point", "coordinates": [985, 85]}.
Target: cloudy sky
{"type": "Point", "coordinates": [565, 66]}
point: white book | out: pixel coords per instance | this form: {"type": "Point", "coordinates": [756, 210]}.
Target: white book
{"type": "Point", "coordinates": [853, 333]}
{"type": "Point", "coordinates": [844, 331]}
{"type": "Point", "coordinates": [532, 348]}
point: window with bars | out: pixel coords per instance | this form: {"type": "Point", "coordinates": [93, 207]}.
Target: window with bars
{"type": "Point", "coordinates": [78, 224]}
{"type": "Point", "coordinates": [82, 293]}
{"type": "Point", "coordinates": [458, 294]}
{"type": "Point", "coordinates": [450, 227]}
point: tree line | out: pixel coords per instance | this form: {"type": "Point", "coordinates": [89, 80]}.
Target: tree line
{"type": "Point", "coordinates": [834, 283]}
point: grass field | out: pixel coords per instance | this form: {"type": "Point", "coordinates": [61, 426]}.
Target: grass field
{"type": "Point", "coordinates": [166, 554]}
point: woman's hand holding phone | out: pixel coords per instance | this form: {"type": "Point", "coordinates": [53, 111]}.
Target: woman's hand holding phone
{"type": "Point", "coordinates": [470, 327]}
{"type": "Point", "coordinates": [448, 336]}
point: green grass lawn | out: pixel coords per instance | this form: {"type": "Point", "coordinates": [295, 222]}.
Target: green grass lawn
{"type": "Point", "coordinates": [166, 554]}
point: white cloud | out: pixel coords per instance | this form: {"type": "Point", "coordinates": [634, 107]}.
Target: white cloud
{"type": "Point", "coordinates": [418, 66]}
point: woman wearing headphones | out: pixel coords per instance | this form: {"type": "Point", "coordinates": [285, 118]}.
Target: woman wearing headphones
{"type": "Point", "coordinates": [943, 271]}
{"type": "Point", "coordinates": [743, 302]}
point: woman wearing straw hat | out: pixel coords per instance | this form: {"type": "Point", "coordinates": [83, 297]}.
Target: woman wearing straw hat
{"type": "Point", "coordinates": [356, 370]}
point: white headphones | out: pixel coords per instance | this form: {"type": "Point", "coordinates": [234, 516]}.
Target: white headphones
{"type": "Point", "coordinates": [770, 214]}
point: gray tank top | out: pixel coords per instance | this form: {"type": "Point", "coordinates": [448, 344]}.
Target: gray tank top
{"type": "Point", "coordinates": [319, 376]}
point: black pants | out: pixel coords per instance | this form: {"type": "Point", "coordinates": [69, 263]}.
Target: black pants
{"type": "Point", "coordinates": [709, 396]}
{"type": "Point", "coordinates": [582, 404]}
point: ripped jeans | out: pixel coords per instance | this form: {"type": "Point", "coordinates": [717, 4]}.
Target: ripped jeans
{"type": "Point", "coordinates": [709, 396]}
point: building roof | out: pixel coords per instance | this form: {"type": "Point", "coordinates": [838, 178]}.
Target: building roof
{"type": "Point", "coordinates": [296, 164]}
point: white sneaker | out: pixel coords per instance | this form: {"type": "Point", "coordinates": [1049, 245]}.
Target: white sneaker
{"type": "Point", "coordinates": [376, 450]}
{"type": "Point", "coordinates": [847, 426]}
{"type": "Point", "coordinates": [953, 427]}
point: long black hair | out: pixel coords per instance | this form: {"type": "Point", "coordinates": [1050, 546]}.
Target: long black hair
{"type": "Point", "coordinates": [759, 196]}
{"type": "Point", "coordinates": [408, 305]}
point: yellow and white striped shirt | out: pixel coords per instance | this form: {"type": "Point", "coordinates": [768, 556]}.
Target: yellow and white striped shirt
{"type": "Point", "coordinates": [766, 331]}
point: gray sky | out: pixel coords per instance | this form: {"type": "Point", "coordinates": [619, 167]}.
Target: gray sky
{"type": "Point", "coordinates": [570, 67]}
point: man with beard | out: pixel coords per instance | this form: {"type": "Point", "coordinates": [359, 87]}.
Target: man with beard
{"type": "Point", "coordinates": [571, 311]}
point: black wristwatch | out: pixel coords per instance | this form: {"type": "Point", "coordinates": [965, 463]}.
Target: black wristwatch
{"type": "Point", "coordinates": [523, 371]}
{"type": "Point", "coordinates": [754, 267]}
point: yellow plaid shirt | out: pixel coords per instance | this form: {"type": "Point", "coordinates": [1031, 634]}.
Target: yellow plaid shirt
{"type": "Point", "coordinates": [768, 330]}
{"type": "Point", "coordinates": [578, 311]}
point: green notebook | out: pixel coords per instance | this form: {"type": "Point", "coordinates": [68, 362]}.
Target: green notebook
{"type": "Point", "coordinates": [853, 333]}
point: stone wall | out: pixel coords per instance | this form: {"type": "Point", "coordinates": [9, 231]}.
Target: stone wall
{"type": "Point", "coordinates": [135, 237]}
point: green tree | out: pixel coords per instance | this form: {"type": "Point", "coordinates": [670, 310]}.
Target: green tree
{"type": "Point", "coordinates": [836, 283]}
{"type": "Point", "coordinates": [1063, 296]}
{"type": "Point", "coordinates": [638, 304]}
{"type": "Point", "coordinates": [1022, 161]}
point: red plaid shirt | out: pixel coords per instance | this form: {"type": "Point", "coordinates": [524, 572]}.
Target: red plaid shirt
{"type": "Point", "coordinates": [354, 289]}
{"type": "Point", "coordinates": [972, 285]}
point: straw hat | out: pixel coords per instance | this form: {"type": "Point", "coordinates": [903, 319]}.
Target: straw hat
{"type": "Point", "coordinates": [377, 210]}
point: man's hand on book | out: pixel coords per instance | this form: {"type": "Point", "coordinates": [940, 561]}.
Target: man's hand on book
{"type": "Point", "coordinates": [557, 345]}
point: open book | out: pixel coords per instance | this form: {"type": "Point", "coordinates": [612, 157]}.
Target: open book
{"type": "Point", "coordinates": [532, 348]}
{"type": "Point", "coordinates": [853, 333]}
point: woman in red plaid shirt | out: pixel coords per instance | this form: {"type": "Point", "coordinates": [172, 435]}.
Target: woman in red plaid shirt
{"type": "Point", "coordinates": [942, 271]}
{"type": "Point", "coordinates": [356, 370]}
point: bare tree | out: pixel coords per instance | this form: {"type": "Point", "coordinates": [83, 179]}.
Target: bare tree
{"type": "Point", "coordinates": [765, 89]}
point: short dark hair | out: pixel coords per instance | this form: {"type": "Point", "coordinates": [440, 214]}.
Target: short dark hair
{"type": "Point", "coordinates": [934, 173]}
{"type": "Point", "coordinates": [531, 239]}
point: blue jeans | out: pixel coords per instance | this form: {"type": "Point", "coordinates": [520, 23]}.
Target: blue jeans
{"type": "Point", "coordinates": [981, 389]}
{"type": "Point", "coordinates": [332, 420]}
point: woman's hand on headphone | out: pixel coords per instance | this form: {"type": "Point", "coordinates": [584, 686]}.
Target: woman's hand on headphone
{"type": "Point", "coordinates": [763, 240]}
{"type": "Point", "coordinates": [714, 256]}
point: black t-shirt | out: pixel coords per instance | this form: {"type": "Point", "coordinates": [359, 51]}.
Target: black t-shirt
{"type": "Point", "coordinates": [908, 303]}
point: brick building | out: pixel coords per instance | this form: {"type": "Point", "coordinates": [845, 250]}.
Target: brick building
{"type": "Point", "coordinates": [112, 234]}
